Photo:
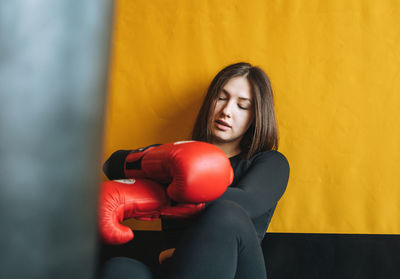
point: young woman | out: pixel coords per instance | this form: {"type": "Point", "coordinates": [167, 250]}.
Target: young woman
{"type": "Point", "coordinates": [237, 116]}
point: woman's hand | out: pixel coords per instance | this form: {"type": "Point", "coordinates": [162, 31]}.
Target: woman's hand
{"type": "Point", "coordinates": [166, 254]}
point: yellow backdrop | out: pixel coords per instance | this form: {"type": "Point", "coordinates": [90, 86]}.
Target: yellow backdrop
{"type": "Point", "coordinates": [334, 66]}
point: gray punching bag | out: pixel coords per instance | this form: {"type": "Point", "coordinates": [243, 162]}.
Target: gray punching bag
{"type": "Point", "coordinates": [54, 57]}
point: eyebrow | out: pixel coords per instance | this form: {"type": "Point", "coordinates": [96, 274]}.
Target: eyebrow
{"type": "Point", "coordinates": [242, 98]}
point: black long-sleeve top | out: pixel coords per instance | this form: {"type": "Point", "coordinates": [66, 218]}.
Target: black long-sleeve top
{"type": "Point", "coordinates": [257, 186]}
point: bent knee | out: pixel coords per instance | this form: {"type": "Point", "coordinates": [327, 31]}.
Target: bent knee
{"type": "Point", "coordinates": [228, 214]}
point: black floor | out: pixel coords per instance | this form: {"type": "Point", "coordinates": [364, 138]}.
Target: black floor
{"type": "Point", "coordinates": [308, 256]}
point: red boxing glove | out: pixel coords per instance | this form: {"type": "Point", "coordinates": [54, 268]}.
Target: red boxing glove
{"type": "Point", "coordinates": [195, 171]}
{"type": "Point", "coordinates": [130, 198]}
{"type": "Point", "coordinates": [182, 210]}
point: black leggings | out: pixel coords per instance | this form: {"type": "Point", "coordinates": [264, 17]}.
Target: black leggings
{"type": "Point", "coordinates": [221, 244]}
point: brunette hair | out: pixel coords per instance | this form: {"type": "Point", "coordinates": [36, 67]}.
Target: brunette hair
{"type": "Point", "coordinates": [262, 135]}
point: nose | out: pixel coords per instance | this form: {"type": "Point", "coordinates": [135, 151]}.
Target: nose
{"type": "Point", "coordinates": [226, 109]}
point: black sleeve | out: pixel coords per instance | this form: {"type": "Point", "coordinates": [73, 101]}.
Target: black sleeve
{"type": "Point", "coordinates": [261, 187]}
{"type": "Point", "coordinates": [113, 168]}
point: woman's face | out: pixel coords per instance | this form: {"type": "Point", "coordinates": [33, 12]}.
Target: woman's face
{"type": "Point", "coordinates": [233, 112]}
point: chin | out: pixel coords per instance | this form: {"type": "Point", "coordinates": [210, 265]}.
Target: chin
{"type": "Point", "coordinates": [217, 139]}
{"type": "Point", "coordinates": [222, 139]}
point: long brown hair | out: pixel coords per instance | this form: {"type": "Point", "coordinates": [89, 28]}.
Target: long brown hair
{"type": "Point", "coordinates": [262, 135]}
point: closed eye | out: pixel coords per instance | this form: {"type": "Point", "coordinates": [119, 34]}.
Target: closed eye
{"type": "Point", "coordinates": [241, 107]}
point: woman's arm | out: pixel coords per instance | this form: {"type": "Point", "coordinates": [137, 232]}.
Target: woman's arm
{"type": "Point", "coordinates": [113, 168]}
{"type": "Point", "coordinates": [261, 187]}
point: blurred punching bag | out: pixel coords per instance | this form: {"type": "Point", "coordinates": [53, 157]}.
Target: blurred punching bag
{"type": "Point", "coordinates": [53, 77]}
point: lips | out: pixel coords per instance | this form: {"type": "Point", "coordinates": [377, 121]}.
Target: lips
{"type": "Point", "coordinates": [223, 123]}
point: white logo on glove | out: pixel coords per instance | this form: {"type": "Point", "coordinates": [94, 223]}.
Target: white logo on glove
{"type": "Point", "coordinates": [126, 181]}
{"type": "Point", "coordinates": [183, 141]}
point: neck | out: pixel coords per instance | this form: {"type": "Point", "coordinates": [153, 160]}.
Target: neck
{"type": "Point", "coordinates": [229, 150]}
